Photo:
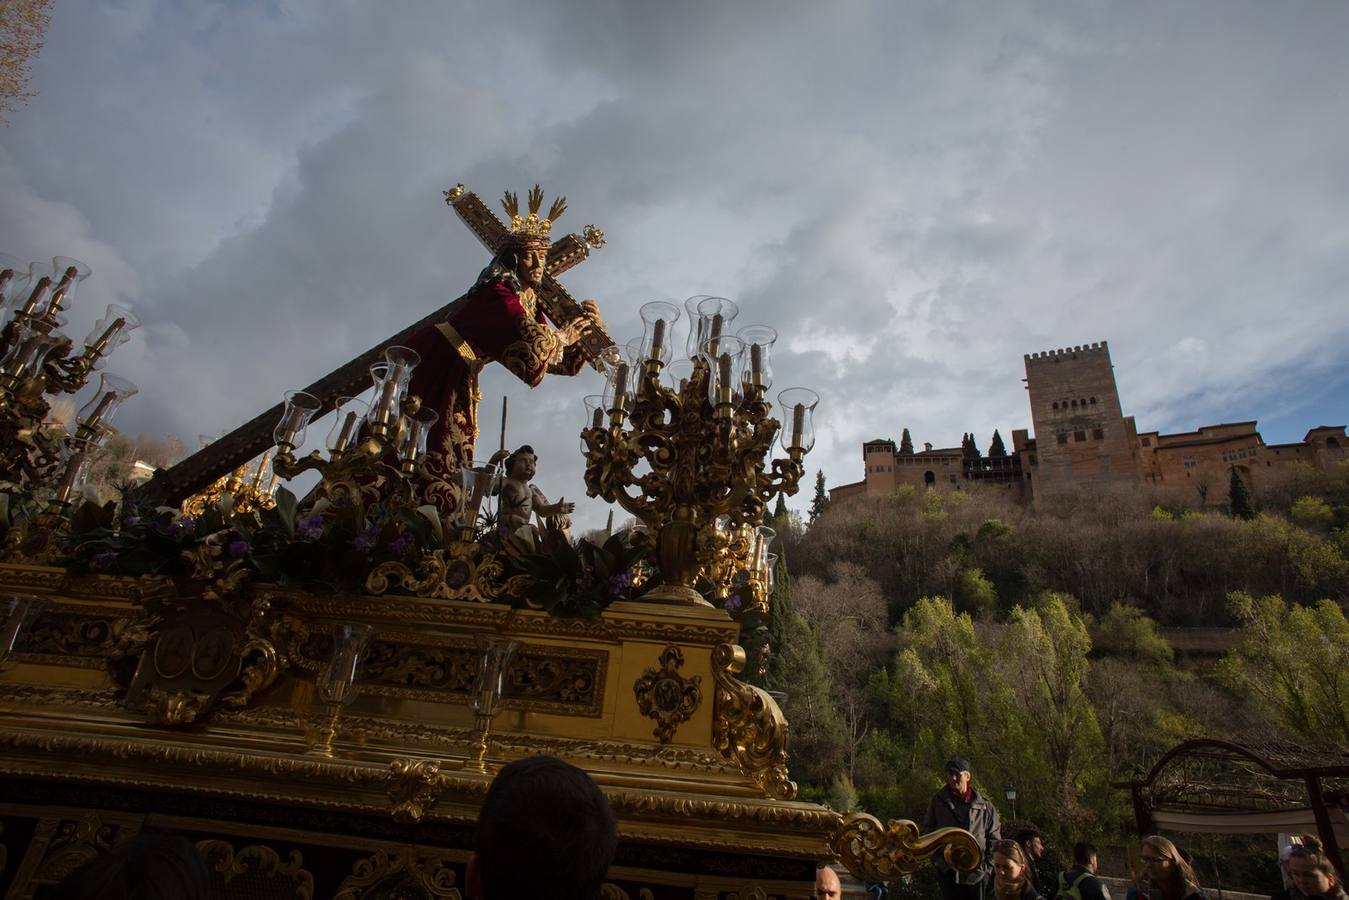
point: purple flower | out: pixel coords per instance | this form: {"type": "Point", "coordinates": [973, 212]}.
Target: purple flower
{"type": "Point", "coordinates": [103, 559]}
{"type": "Point", "coordinates": [620, 583]}
{"type": "Point", "coordinates": [733, 604]}
{"type": "Point", "coordinates": [130, 521]}
{"type": "Point", "coordinates": [366, 539]}
{"type": "Point", "coordinates": [185, 523]}
{"type": "Point", "coordinates": [238, 548]}
{"type": "Point", "coordinates": [310, 527]}
{"type": "Point", "coordinates": [401, 544]}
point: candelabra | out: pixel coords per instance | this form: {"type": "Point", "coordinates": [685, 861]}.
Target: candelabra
{"type": "Point", "coordinates": [374, 448]}
{"type": "Point", "coordinates": [249, 486]}
{"type": "Point", "coordinates": [336, 686]}
{"type": "Point", "coordinates": [37, 361]}
{"type": "Point", "coordinates": [686, 441]}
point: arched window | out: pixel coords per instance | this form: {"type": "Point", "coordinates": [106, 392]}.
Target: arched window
{"type": "Point", "coordinates": [1074, 403]}
{"type": "Point", "coordinates": [1331, 442]}
{"type": "Point", "coordinates": [929, 477]}
{"type": "Point", "coordinates": [1093, 401]}
{"type": "Point", "coordinates": [1056, 404]}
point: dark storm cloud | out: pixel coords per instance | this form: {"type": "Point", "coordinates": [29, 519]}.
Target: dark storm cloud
{"type": "Point", "coordinates": [914, 195]}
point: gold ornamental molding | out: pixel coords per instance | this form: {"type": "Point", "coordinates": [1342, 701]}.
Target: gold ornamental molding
{"type": "Point", "coordinates": [254, 862]}
{"type": "Point", "coordinates": [875, 852]}
{"type": "Point", "coordinates": [414, 787]}
{"type": "Point", "coordinates": [666, 696]}
{"type": "Point", "coordinates": [399, 873]}
{"type": "Point", "coordinates": [747, 726]}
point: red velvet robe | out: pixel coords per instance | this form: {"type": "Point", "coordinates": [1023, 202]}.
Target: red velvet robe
{"type": "Point", "coordinates": [493, 325]}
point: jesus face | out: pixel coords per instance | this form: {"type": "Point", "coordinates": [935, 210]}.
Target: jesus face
{"type": "Point", "coordinates": [533, 263]}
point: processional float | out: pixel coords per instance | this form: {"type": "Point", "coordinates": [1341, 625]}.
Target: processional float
{"type": "Point", "coordinates": [318, 690]}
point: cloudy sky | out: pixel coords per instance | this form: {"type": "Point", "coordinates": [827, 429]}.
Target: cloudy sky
{"type": "Point", "coordinates": [913, 194]}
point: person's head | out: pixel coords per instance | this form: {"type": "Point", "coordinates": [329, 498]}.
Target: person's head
{"type": "Point", "coordinates": [1032, 842]}
{"type": "Point", "coordinates": [1009, 866]}
{"type": "Point", "coordinates": [1311, 869]}
{"type": "Point", "coordinates": [149, 866]}
{"type": "Point", "coordinates": [958, 773]}
{"type": "Point", "coordinates": [1163, 863]}
{"type": "Point", "coordinates": [827, 886]}
{"type": "Point", "coordinates": [1084, 855]}
{"type": "Point", "coordinates": [528, 259]}
{"type": "Point", "coordinates": [545, 831]}
{"type": "Point", "coordinates": [522, 464]}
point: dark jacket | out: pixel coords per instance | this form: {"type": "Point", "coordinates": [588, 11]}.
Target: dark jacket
{"type": "Point", "coordinates": [1092, 888]}
{"type": "Point", "coordinates": [978, 817]}
{"type": "Point", "coordinates": [1146, 893]}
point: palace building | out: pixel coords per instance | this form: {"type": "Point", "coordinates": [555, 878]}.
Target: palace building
{"type": "Point", "coordinates": [1083, 440]}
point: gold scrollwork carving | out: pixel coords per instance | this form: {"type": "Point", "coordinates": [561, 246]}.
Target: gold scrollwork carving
{"type": "Point", "coordinates": [414, 787]}
{"type": "Point", "coordinates": [666, 696]}
{"type": "Point", "coordinates": [882, 853]}
{"type": "Point", "coordinates": [255, 863]}
{"type": "Point", "coordinates": [747, 726]}
{"type": "Point", "coordinates": [611, 891]}
{"type": "Point", "coordinates": [467, 573]}
{"type": "Point", "coordinates": [428, 876]}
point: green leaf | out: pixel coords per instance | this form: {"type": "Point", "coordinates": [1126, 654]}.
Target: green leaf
{"type": "Point", "coordinates": [286, 507]}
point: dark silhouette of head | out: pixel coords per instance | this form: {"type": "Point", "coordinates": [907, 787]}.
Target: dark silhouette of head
{"type": "Point", "coordinates": [545, 832]}
{"type": "Point", "coordinates": [148, 866]}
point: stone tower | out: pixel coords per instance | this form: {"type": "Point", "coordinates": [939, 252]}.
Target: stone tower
{"type": "Point", "coordinates": [1083, 440]}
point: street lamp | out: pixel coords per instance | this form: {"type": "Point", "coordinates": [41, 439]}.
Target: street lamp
{"type": "Point", "coordinates": [1010, 794]}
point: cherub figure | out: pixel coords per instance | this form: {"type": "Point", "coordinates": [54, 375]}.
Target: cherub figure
{"type": "Point", "coordinates": [520, 500]}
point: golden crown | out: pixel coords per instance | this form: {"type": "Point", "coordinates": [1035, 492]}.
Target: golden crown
{"type": "Point", "coordinates": [531, 227]}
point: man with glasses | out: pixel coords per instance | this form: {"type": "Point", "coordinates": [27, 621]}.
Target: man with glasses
{"type": "Point", "coordinates": [959, 805]}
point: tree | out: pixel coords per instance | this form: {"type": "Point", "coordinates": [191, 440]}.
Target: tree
{"type": "Point", "coordinates": [996, 450]}
{"type": "Point", "coordinates": [779, 516]}
{"type": "Point", "coordinates": [1239, 498]}
{"type": "Point", "coordinates": [821, 501]}
{"type": "Point", "coordinates": [906, 443]}
{"type": "Point", "coordinates": [23, 24]}
{"type": "Point", "coordinates": [970, 448]}
{"type": "Point", "coordinates": [1293, 660]}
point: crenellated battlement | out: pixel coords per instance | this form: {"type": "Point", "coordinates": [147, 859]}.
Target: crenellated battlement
{"type": "Point", "coordinates": [1054, 355]}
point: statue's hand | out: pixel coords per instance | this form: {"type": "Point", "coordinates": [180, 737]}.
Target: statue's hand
{"type": "Point", "coordinates": [499, 456]}
{"type": "Point", "coordinates": [565, 508]}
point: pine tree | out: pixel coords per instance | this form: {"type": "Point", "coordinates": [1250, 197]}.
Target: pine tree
{"type": "Point", "coordinates": [779, 512]}
{"type": "Point", "coordinates": [1238, 498]}
{"type": "Point", "coordinates": [996, 450]}
{"type": "Point", "coordinates": [968, 445]}
{"type": "Point", "coordinates": [821, 501]}
{"type": "Point", "coordinates": [906, 444]}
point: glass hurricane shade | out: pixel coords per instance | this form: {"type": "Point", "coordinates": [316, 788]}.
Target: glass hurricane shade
{"type": "Point", "coordinates": [757, 370]}
{"type": "Point", "coordinates": [594, 404]}
{"type": "Point", "coordinates": [38, 290]}
{"type": "Point", "coordinates": [677, 374]}
{"type": "Point", "coordinates": [715, 315]}
{"type": "Point", "coordinates": [694, 341]}
{"type": "Point", "coordinates": [416, 429]}
{"type": "Point", "coordinates": [763, 537]}
{"type": "Point", "coordinates": [723, 355]}
{"type": "Point", "coordinates": [67, 273]}
{"type": "Point", "coordinates": [299, 409]}
{"type": "Point", "coordinates": [110, 332]}
{"type": "Point", "coordinates": [769, 571]}
{"type": "Point", "coordinates": [349, 414]}
{"type": "Point", "coordinates": [496, 653]}
{"type": "Point", "coordinates": [27, 353]}
{"type": "Point", "coordinates": [14, 285]}
{"type": "Point", "coordinates": [112, 393]}
{"type": "Point", "coordinates": [337, 682]}
{"type": "Point", "coordinates": [617, 387]}
{"type": "Point", "coordinates": [391, 379]}
{"type": "Point", "coordinates": [798, 411]}
{"type": "Point", "coordinates": [476, 481]}
{"type": "Point", "coordinates": [658, 322]}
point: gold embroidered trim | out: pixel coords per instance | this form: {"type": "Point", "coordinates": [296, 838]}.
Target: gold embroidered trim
{"type": "Point", "coordinates": [457, 341]}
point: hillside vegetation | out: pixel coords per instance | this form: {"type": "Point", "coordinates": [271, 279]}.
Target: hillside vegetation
{"type": "Point", "coordinates": [915, 626]}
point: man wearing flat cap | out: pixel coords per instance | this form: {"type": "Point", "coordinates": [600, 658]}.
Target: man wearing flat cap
{"type": "Point", "coordinates": [959, 805]}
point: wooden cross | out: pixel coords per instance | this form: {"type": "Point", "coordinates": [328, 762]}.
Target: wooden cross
{"type": "Point", "coordinates": [171, 486]}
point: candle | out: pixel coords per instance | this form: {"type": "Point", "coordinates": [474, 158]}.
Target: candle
{"type": "Point", "coordinates": [31, 305]}
{"type": "Point", "coordinates": [724, 382]}
{"type": "Point", "coordinates": [104, 339]}
{"type": "Point", "coordinates": [716, 333]}
{"type": "Point", "coordinates": [755, 364]}
{"type": "Point", "coordinates": [344, 436]}
{"type": "Point", "coordinates": [798, 425]}
{"type": "Point", "coordinates": [504, 401]}
{"type": "Point", "coordinates": [262, 471]}
{"type": "Point", "coordinates": [597, 421]}
{"type": "Point", "coordinates": [5, 276]}
{"type": "Point", "coordinates": [104, 404]}
{"type": "Point", "coordinates": [657, 338]}
{"type": "Point", "coordinates": [620, 386]}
